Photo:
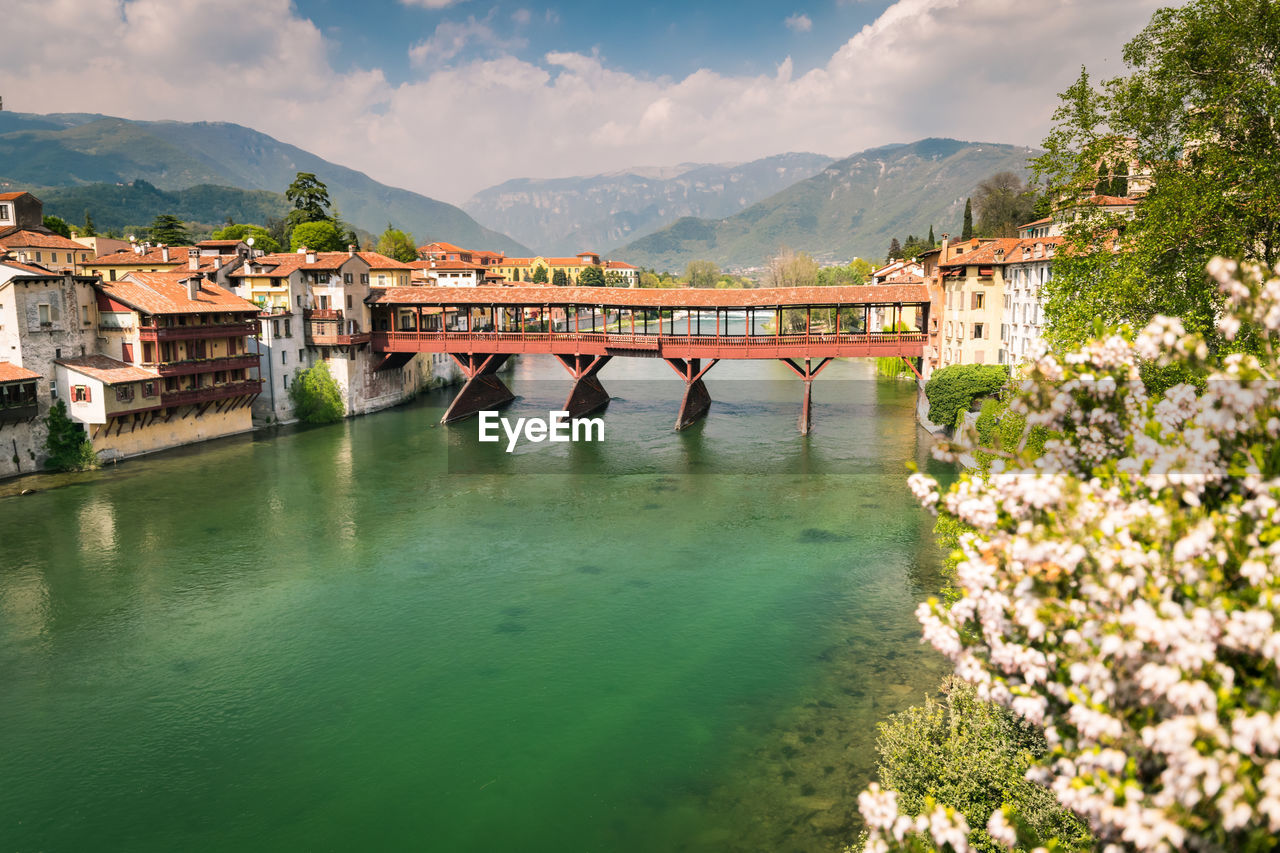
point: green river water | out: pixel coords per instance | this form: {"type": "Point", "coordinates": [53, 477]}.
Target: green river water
{"type": "Point", "coordinates": [331, 639]}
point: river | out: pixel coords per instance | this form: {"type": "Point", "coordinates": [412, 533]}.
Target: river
{"type": "Point", "coordinates": [382, 634]}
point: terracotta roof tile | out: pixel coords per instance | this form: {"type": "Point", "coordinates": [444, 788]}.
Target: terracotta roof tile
{"type": "Point", "coordinates": [10, 372]}
{"type": "Point", "coordinates": [23, 239]}
{"type": "Point", "coordinates": [152, 257]}
{"type": "Point", "coordinates": [30, 269]}
{"type": "Point", "coordinates": [107, 370]}
{"type": "Point", "coordinates": [382, 262]}
{"type": "Point", "coordinates": [166, 293]}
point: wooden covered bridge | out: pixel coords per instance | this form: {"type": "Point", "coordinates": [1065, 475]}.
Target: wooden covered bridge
{"type": "Point", "coordinates": [691, 329]}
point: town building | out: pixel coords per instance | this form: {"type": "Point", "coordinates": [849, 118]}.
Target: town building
{"type": "Point", "coordinates": [972, 278]}
{"type": "Point", "coordinates": [99, 245]}
{"type": "Point", "coordinates": [25, 238]}
{"type": "Point", "coordinates": [275, 283]}
{"type": "Point", "coordinates": [44, 316]}
{"type": "Point", "coordinates": [1029, 268]}
{"type": "Point", "coordinates": [312, 308]}
{"type": "Point", "coordinates": [182, 370]}
{"type": "Point", "coordinates": [524, 269]}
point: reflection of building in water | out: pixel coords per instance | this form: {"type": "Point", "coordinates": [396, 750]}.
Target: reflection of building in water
{"type": "Point", "coordinates": [96, 530]}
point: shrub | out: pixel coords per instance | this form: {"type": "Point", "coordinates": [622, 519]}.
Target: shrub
{"type": "Point", "coordinates": [68, 447]}
{"type": "Point", "coordinates": [316, 396]}
{"type": "Point", "coordinates": [972, 755]}
{"type": "Point", "coordinates": [953, 389]}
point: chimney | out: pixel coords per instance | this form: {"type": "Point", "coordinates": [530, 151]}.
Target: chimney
{"type": "Point", "coordinates": [217, 262]}
{"type": "Point", "coordinates": [311, 257]}
{"type": "Point", "coordinates": [999, 256]}
{"type": "Point", "coordinates": [193, 261]}
{"type": "Point", "coordinates": [164, 254]}
{"type": "Point", "coordinates": [193, 286]}
{"type": "Point", "coordinates": [351, 250]}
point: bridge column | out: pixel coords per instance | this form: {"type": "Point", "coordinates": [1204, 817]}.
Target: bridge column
{"type": "Point", "coordinates": [483, 390]}
{"type": "Point", "coordinates": [807, 373]}
{"type": "Point", "coordinates": [588, 395]}
{"type": "Point", "coordinates": [696, 401]}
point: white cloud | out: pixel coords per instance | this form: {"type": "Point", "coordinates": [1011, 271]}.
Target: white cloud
{"type": "Point", "coordinates": [452, 38]}
{"type": "Point", "coordinates": [432, 4]}
{"type": "Point", "coordinates": [799, 23]}
{"type": "Point", "coordinates": [521, 16]}
{"type": "Point", "coordinates": [972, 69]}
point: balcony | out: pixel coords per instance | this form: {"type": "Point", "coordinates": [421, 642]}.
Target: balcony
{"type": "Point", "coordinates": [17, 414]}
{"type": "Point", "coordinates": [210, 393]}
{"type": "Point", "coordinates": [186, 333]}
{"type": "Point", "coordinates": [325, 339]}
{"type": "Point", "coordinates": [321, 314]}
{"type": "Point", "coordinates": [206, 365]}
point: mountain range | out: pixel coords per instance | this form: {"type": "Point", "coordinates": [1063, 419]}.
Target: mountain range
{"type": "Point", "coordinates": [852, 208]}
{"type": "Point", "coordinates": [564, 216]}
{"type": "Point", "coordinates": [39, 152]}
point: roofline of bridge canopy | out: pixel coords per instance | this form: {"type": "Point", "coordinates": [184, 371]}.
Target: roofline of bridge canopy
{"type": "Point", "coordinates": [672, 297]}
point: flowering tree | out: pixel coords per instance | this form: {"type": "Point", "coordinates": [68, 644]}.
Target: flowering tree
{"type": "Point", "coordinates": [1122, 590]}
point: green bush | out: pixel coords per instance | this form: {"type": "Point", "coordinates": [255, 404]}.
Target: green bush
{"type": "Point", "coordinates": [68, 447]}
{"type": "Point", "coordinates": [972, 755]}
{"type": "Point", "coordinates": [316, 396]}
{"type": "Point", "coordinates": [953, 389]}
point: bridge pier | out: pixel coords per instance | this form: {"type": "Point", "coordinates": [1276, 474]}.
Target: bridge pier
{"type": "Point", "coordinates": [588, 395]}
{"type": "Point", "coordinates": [483, 390]}
{"type": "Point", "coordinates": [697, 400]}
{"type": "Point", "coordinates": [807, 373]}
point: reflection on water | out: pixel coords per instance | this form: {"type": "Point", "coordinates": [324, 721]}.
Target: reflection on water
{"type": "Point", "coordinates": [323, 638]}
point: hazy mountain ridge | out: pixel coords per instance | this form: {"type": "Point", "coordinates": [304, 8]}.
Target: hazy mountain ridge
{"type": "Point", "coordinates": [852, 208]}
{"type": "Point", "coordinates": [66, 150]}
{"type": "Point", "coordinates": [601, 212]}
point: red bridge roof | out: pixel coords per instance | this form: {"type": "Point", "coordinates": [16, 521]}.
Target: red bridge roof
{"type": "Point", "coordinates": [650, 297]}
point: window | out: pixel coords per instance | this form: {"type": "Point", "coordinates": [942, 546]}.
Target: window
{"type": "Point", "coordinates": [364, 278]}
{"type": "Point", "coordinates": [53, 388]}
{"type": "Point", "coordinates": [124, 393]}
{"type": "Point", "coordinates": [148, 389]}
{"type": "Point", "coordinates": [979, 330]}
{"type": "Point", "coordinates": [348, 302]}
{"type": "Point", "coordinates": [79, 394]}
{"type": "Point", "coordinates": [111, 274]}
{"type": "Point", "coordinates": [275, 328]}
{"type": "Point", "coordinates": [46, 314]}
{"type": "Point", "coordinates": [219, 377]}
{"type": "Point", "coordinates": [4, 212]}
{"type": "Point", "coordinates": [979, 300]}
{"type": "Point", "coordinates": [288, 329]}
{"type": "Point", "coordinates": [284, 357]}
{"type": "Point", "coordinates": [38, 257]}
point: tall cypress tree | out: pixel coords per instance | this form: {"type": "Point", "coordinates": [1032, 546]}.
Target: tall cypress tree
{"type": "Point", "coordinates": [966, 233]}
{"type": "Point", "coordinates": [932, 242]}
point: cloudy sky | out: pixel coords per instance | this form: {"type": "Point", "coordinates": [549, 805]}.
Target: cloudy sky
{"type": "Point", "coordinates": [446, 97]}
